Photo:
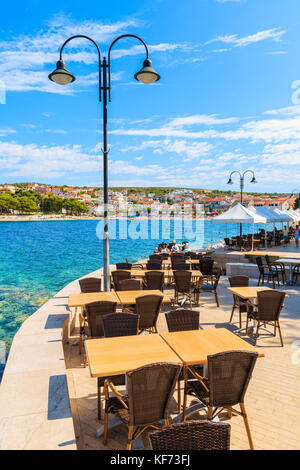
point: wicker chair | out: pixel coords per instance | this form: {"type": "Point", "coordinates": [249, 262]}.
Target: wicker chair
{"type": "Point", "coordinates": [120, 324]}
{"type": "Point", "coordinates": [90, 284]}
{"type": "Point", "coordinates": [183, 285]}
{"type": "Point", "coordinates": [154, 265]}
{"type": "Point", "coordinates": [269, 306]}
{"type": "Point", "coordinates": [130, 284]}
{"type": "Point", "coordinates": [208, 286]}
{"type": "Point", "coordinates": [241, 304]}
{"type": "Point", "coordinates": [148, 307]}
{"type": "Point", "coordinates": [150, 390]}
{"type": "Point", "coordinates": [123, 265]}
{"type": "Point", "coordinates": [155, 257]}
{"type": "Point", "coordinates": [183, 320]}
{"type": "Point", "coordinates": [295, 274]}
{"type": "Point", "coordinates": [229, 374]}
{"type": "Point", "coordinates": [266, 273]}
{"type": "Point", "coordinates": [181, 266]}
{"type": "Point", "coordinates": [87, 285]}
{"type": "Point", "coordinates": [118, 276]}
{"type": "Point", "coordinates": [154, 280]}
{"type": "Point", "coordinates": [206, 266]}
{"type": "Point", "coordinates": [192, 435]}
{"type": "Point", "coordinates": [277, 267]}
{"type": "Point", "coordinates": [94, 312]}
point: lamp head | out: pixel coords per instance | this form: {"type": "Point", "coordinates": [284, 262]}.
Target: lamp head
{"type": "Point", "coordinates": [253, 181]}
{"type": "Point", "coordinates": [147, 74]}
{"type": "Point", "coordinates": [61, 75]}
{"type": "Point", "coordinates": [230, 181]}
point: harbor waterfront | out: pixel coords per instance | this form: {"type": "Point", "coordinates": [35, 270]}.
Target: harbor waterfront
{"type": "Point", "coordinates": [40, 258]}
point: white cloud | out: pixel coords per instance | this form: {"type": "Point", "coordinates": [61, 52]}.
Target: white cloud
{"type": "Point", "coordinates": [274, 34]}
{"type": "Point", "coordinates": [24, 59]}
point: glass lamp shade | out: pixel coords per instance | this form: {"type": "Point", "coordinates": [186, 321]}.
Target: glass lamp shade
{"type": "Point", "coordinates": [61, 75]}
{"type": "Point", "coordinates": [147, 74]}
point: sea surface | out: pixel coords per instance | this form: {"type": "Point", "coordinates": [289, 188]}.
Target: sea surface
{"type": "Point", "coordinates": [39, 258]}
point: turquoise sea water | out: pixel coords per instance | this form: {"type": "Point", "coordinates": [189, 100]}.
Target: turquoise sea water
{"type": "Point", "coordinates": [39, 258]}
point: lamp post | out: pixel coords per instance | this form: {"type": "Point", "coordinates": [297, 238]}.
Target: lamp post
{"type": "Point", "coordinates": [62, 76]}
{"type": "Point", "coordinates": [242, 184]}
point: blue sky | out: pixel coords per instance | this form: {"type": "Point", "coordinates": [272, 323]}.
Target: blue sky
{"type": "Point", "coordinates": [227, 99]}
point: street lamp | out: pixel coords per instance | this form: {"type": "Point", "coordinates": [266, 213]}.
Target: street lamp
{"type": "Point", "coordinates": [62, 76]}
{"type": "Point", "coordinates": [242, 183]}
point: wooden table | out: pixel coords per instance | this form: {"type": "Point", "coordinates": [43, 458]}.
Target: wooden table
{"type": "Point", "coordinates": [113, 356]}
{"type": "Point", "coordinates": [193, 347]}
{"type": "Point", "coordinates": [80, 300]}
{"type": "Point", "coordinates": [273, 254]}
{"type": "Point", "coordinates": [128, 297]}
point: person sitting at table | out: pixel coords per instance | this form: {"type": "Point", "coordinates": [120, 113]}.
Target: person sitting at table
{"type": "Point", "coordinates": [185, 248]}
{"type": "Point", "coordinates": [164, 248]}
{"type": "Point", "coordinates": [174, 247]}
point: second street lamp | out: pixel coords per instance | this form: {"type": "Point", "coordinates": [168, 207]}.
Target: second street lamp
{"type": "Point", "coordinates": [62, 76]}
{"type": "Point", "coordinates": [242, 184]}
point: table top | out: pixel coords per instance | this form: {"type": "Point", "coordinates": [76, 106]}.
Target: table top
{"type": "Point", "coordinates": [128, 297]}
{"type": "Point", "coordinates": [247, 292]}
{"type": "Point", "coordinates": [112, 356]}
{"type": "Point", "coordinates": [80, 300]}
{"type": "Point", "coordinates": [274, 254]}
{"type": "Point", "coordinates": [288, 260]}
{"type": "Point", "coordinates": [193, 347]}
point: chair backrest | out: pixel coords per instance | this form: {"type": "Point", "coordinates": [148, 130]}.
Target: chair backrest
{"type": "Point", "coordinates": [269, 304]}
{"type": "Point", "coordinates": [181, 266]}
{"type": "Point", "coordinates": [182, 280]}
{"type": "Point", "coordinates": [268, 260]}
{"type": "Point", "coordinates": [148, 308]}
{"type": "Point", "coordinates": [120, 324]}
{"type": "Point", "coordinates": [238, 281]}
{"type": "Point", "coordinates": [150, 390]}
{"type": "Point", "coordinates": [206, 266]}
{"type": "Point", "coordinates": [195, 255]}
{"type": "Point", "coordinates": [130, 284]}
{"type": "Point", "coordinates": [156, 265]}
{"type": "Point", "coordinates": [182, 320]}
{"type": "Point", "coordinates": [155, 257]}
{"type": "Point", "coordinates": [192, 435]}
{"type": "Point", "coordinates": [123, 265]}
{"type": "Point", "coordinates": [154, 280]}
{"type": "Point", "coordinates": [229, 374]}
{"type": "Point", "coordinates": [177, 255]}
{"type": "Point", "coordinates": [95, 311]}
{"type": "Point", "coordinates": [119, 276]}
{"type": "Point", "coordinates": [90, 284]}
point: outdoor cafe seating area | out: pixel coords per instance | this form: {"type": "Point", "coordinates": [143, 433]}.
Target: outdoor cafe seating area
{"type": "Point", "coordinates": [140, 370]}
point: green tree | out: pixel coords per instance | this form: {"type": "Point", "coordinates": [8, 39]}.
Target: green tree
{"type": "Point", "coordinates": [7, 203]}
{"type": "Point", "coordinates": [26, 204]}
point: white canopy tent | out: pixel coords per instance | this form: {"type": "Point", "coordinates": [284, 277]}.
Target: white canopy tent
{"type": "Point", "coordinates": [239, 214]}
{"type": "Point", "coordinates": [289, 217]}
